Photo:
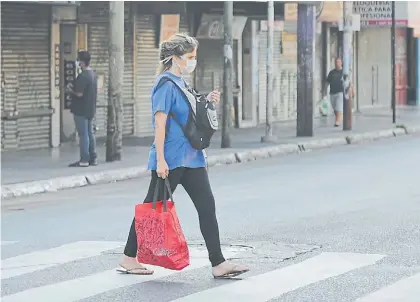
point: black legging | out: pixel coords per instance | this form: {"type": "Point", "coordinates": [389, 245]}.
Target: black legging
{"type": "Point", "coordinates": [196, 182]}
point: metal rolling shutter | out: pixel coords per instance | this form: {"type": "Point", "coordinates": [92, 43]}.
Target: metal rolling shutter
{"type": "Point", "coordinates": [278, 90]}
{"type": "Point", "coordinates": [128, 84]}
{"type": "Point", "coordinates": [289, 42]}
{"type": "Point", "coordinates": [9, 94]}
{"type": "Point", "coordinates": [96, 15]}
{"type": "Point", "coordinates": [1, 108]}
{"type": "Point", "coordinates": [278, 99]}
{"type": "Point", "coordinates": [262, 76]}
{"type": "Point", "coordinates": [147, 61]}
{"type": "Point", "coordinates": [25, 55]}
{"type": "Point", "coordinates": [2, 135]}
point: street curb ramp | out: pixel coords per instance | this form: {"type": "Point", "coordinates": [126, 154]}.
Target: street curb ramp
{"type": "Point", "coordinates": [10, 191]}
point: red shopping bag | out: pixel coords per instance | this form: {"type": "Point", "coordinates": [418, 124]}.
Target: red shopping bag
{"type": "Point", "coordinates": [160, 240]}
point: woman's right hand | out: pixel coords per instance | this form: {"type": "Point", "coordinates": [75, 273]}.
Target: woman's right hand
{"type": "Point", "coordinates": [162, 169]}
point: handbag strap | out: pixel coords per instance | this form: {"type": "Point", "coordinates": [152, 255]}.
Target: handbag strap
{"type": "Point", "coordinates": [166, 189]}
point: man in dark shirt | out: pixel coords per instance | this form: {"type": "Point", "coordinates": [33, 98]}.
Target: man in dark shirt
{"type": "Point", "coordinates": [83, 107]}
{"type": "Point", "coordinates": [335, 81]}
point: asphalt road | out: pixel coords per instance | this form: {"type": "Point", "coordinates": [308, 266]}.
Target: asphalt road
{"type": "Point", "coordinates": [327, 226]}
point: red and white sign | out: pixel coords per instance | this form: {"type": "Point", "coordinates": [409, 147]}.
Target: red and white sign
{"type": "Point", "coordinates": [379, 13]}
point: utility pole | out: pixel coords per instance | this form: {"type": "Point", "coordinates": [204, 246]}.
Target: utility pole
{"type": "Point", "coordinates": [115, 74]}
{"type": "Point", "coordinates": [227, 74]}
{"type": "Point", "coordinates": [347, 52]}
{"type": "Point", "coordinates": [269, 102]}
{"type": "Point", "coordinates": [393, 91]}
{"type": "Point", "coordinates": [305, 68]}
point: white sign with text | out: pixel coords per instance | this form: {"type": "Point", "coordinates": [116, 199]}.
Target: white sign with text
{"type": "Point", "coordinates": [379, 13]}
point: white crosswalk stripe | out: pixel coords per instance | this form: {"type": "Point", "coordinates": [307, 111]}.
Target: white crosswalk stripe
{"type": "Point", "coordinates": [257, 288]}
{"type": "Point", "coordinates": [407, 290]}
{"type": "Point", "coordinates": [81, 288]}
{"type": "Point", "coordinates": [268, 286]}
{"type": "Point", "coordinates": [28, 263]}
{"type": "Point", "coordinates": [77, 289]}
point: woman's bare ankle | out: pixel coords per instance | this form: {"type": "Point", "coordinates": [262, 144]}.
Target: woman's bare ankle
{"type": "Point", "coordinates": [227, 267]}
{"type": "Point", "coordinates": [131, 260]}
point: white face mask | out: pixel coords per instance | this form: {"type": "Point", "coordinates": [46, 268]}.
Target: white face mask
{"type": "Point", "coordinates": [190, 66]}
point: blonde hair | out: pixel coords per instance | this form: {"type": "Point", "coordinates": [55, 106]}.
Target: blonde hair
{"type": "Point", "coordinates": [176, 45]}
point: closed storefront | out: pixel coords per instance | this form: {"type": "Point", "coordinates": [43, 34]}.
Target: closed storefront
{"type": "Point", "coordinates": [374, 52]}
{"type": "Point", "coordinates": [209, 73]}
{"type": "Point", "coordinates": [262, 76]}
{"type": "Point", "coordinates": [96, 16]}
{"type": "Point", "coordinates": [210, 66]}
{"type": "Point", "coordinates": [288, 75]}
{"type": "Point", "coordinates": [128, 84]}
{"type": "Point", "coordinates": [280, 97]}
{"type": "Point", "coordinates": [146, 65]}
{"type": "Point", "coordinates": [278, 100]}
{"type": "Point", "coordinates": [147, 59]}
{"type": "Point", "coordinates": [285, 68]}
{"type": "Point", "coordinates": [374, 68]}
{"type": "Point", "coordinates": [25, 68]}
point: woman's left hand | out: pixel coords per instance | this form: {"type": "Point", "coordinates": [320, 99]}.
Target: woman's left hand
{"type": "Point", "coordinates": [214, 96]}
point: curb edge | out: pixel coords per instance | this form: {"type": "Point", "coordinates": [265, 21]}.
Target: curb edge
{"type": "Point", "coordinates": [10, 191]}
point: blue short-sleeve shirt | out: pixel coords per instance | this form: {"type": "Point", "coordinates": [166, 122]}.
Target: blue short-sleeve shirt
{"type": "Point", "coordinates": [177, 150]}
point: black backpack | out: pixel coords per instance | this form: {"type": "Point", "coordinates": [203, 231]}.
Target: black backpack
{"type": "Point", "coordinates": [202, 120]}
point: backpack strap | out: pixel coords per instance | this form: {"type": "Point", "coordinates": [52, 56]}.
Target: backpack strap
{"type": "Point", "coordinates": [162, 81]}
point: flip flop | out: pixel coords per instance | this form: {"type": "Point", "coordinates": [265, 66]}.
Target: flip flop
{"type": "Point", "coordinates": [232, 274]}
{"type": "Point", "coordinates": [123, 270]}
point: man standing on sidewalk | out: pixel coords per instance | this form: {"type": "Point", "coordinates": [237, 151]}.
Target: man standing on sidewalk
{"type": "Point", "coordinates": [335, 81]}
{"type": "Point", "coordinates": [83, 107]}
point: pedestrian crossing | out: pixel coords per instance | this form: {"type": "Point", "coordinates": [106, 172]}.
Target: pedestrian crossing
{"type": "Point", "coordinates": [406, 290]}
{"type": "Point", "coordinates": [262, 287]}
{"type": "Point", "coordinates": [278, 282]}
{"type": "Point", "coordinates": [32, 262]}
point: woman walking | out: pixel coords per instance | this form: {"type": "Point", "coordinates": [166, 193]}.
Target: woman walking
{"type": "Point", "coordinates": [172, 156]}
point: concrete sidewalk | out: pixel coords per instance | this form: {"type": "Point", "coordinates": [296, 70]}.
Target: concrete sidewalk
{"type": "Point", "coordinates": [38, 171]}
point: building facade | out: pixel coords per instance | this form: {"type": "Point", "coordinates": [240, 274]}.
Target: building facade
{"type": "Point", "coordinates": [373, 67]}
{"type": "Point", "coordinates": [27, 63]}
{"type": "Point", "coordinates": [40, 42]}
{"type": "Point", "coordinates": [39, 47]}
